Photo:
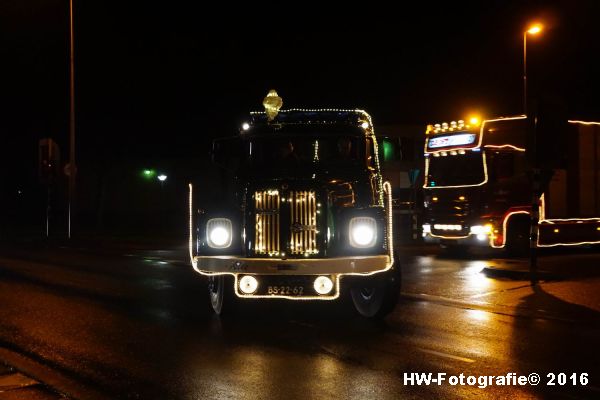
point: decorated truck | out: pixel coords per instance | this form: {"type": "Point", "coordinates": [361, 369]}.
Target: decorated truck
{"type": "Point", "coordinates": [478, 185]}
{"type": "Point", "coordinates": [304, 213]}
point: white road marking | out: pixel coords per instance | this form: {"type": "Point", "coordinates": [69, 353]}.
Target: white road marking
{"type": "Point", "coordinates": [446, 355]}
{"type": "Point", "coordinates": [477, 296]}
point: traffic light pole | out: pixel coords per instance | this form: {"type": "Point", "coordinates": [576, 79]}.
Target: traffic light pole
{"type": "Point", "coordinates": [535, 210]}
{"type": "Point", "coordinates": [72, 166]}
{"type": "Point", "coordinates": [535, 227]}
{"type": "Point", "coordinates": [48, 211]}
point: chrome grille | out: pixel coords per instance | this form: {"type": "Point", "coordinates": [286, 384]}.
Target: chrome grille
{"type": "Point", "coordinates": [303, 222]}
{"type": "Point", "coordinates": [267, 206]}
{"type": "Point", "coordinates": [448, 215]}
{"type": "Point", "coordinates": [296, 229]}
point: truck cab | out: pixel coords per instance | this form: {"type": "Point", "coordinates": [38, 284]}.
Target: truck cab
{"type": "Point", "coordinates": [304, 214]}
{"type": "Point", "coordinates": [478, 186]}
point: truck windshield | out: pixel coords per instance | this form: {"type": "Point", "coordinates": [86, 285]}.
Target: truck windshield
{"type": "Point", "coordinates": [293, 151]}
{"type": "Point", "coordinates": [456, 170]}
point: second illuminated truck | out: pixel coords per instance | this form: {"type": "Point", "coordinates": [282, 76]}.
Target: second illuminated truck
{"type": "Point", "coordinates": [477, 189]}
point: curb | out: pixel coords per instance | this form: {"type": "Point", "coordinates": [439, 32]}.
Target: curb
{"type": "Point", "coordinates": [499, 309]}
{"type": "Point", "coordinates": [15, 385]}
{"type": "Point", "coordinates": [55, 382]}
{"type": "Point", "coordinates": [519, 274]}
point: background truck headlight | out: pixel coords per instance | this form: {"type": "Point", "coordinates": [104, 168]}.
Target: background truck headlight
{"type": "Point", "coordinates": [218, 233]}
{"type": "Point", "coordinates": [481, 229]}
{"type": "Point", "coordinates": [363, 232]}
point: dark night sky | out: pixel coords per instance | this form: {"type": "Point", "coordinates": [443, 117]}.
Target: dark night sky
{"type": "Point", "coordinates": [161, 79]}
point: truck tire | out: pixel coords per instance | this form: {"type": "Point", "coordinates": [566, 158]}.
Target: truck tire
{"type": "Point", "coordinates": [220, 294]}
{"type": "Point", "coordinates": [376, 296]}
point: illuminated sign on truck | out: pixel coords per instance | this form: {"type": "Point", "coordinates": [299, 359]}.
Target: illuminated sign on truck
{"type": "Point", "coordinates": [452, 140]}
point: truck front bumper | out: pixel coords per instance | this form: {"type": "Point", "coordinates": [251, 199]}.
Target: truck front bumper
{"type": "Point", "coordinates": [357, 265]}
{"type": "Point", "coordinates": [470, 240]}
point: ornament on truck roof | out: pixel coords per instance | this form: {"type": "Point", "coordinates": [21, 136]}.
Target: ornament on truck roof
{"type": "Point", "coordinates": [272, 103]}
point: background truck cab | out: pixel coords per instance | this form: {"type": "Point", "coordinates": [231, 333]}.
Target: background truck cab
{"type": "Point", "coordinates": [478, 185]}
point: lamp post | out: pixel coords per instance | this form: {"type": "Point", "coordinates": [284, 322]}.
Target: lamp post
{"type": "Point", "coordinates": [532, 30]}
{"type": "Point", "coordinates": [72, 165]}
{"type": "Point", "coordinates": [535, 210]}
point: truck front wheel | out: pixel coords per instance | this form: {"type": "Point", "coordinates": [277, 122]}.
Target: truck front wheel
{"type": "Point", "coordinates": [216, 291]}
{"type": "Point", "coordinates": [220, 292]}
{"type": "Point", "coordinates": [517, 236]}
{"type": "Point", "coordinates": [376, 296]}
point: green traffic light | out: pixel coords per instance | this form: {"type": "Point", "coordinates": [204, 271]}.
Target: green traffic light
{"type": "Point", "coordinates": [148, 173]}
{"type": "Point", "coordinates": [388, 151]}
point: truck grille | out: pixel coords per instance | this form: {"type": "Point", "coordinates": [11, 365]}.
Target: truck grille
{"type": "Point", "coordinates": [267, 203]}
{"type": "Point", "coordinates": [448, 217]}
{"type": "Point", "coordinates": [298, 234]}
{"type": "Point", "coordinates": [303, 226]}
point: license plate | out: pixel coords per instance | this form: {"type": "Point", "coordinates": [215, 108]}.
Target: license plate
{"type": "Point", "coordinates": [285, 290]}
{"type": "Point", "coordinates": [287, 286]}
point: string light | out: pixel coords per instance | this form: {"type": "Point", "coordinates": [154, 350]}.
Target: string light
{"type": "Point", "coordinates": [387, 187]}
{"type": "Point", "coordinates": [543, 222]}
{"type": "Point", "coordinates": [426, 184]}
{"type": "Point", "coordinates": [552, 221]}
{"type": "Point", "coordinates": [583, 122]}
{"type": "Point", "coordinates": [504, 146]}
{"type": "Point", "coordinates": [191, 246]}
{"type": "Point", "coordinates": [543, 207]}
{"type": "Point", "coordinates": [504, 222]}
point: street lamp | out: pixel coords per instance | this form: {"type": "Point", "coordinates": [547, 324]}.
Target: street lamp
{"type": "Point", "coordinates": [532, 30]}
{"type": "Point", "coordinates": [162, 178]}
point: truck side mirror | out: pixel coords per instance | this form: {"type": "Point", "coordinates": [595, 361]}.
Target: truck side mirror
{"type": "Point", "coordinates": [227, 152]}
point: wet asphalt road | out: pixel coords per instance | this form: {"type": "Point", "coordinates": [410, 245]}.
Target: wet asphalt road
{"type": "Point", "coordinates": [136, 324]}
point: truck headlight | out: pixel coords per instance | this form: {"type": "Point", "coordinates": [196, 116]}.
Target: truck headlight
{"type": "Point", "coordinates": [363, 232]}
{"type": "Point", "coordinates": [481, 229]}
{"type": "Point", "coordinates": [218, 233]}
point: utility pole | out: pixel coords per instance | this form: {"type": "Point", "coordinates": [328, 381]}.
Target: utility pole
{"type": "Point", "coordinates": [72, 165]}
{"type": "Point", "coordinates": [525, 73]}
